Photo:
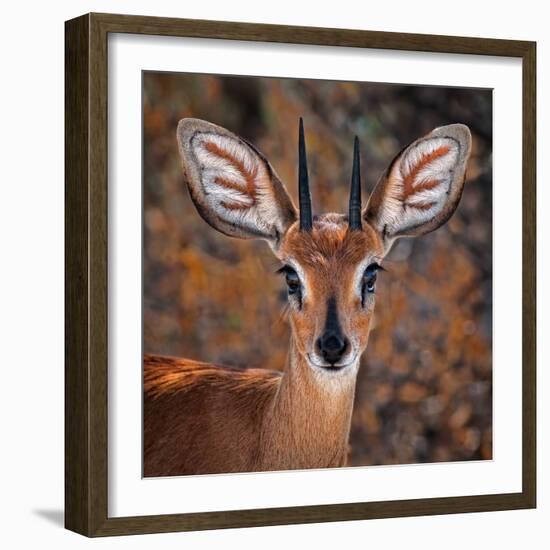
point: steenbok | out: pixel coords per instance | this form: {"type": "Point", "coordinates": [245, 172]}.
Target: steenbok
{"type": "Point", "coordinates": [202, 418]}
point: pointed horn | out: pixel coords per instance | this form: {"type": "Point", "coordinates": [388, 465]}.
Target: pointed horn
{"type": "Point", "coordinates": [306, 219]}
{"type": "Point", "coordinates": [355, 191]}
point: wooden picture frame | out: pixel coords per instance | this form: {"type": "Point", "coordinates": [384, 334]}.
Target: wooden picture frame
{"type": "Point", "coordinates": [86, 283]}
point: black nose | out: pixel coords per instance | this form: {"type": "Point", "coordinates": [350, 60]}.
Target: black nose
{"type": "Point", "coordinates": [332, 346]}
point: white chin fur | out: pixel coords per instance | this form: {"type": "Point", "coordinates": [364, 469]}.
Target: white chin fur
{"type": "Point", "coordinates": [318, 364]}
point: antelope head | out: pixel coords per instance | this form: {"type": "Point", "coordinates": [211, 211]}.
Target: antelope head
{"type": "Point", "coordinates": [330, 262]}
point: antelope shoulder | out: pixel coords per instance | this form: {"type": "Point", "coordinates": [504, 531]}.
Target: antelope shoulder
{"type": "Point", "coordinates": [203, 418]}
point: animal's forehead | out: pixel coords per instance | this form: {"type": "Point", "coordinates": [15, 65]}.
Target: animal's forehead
{"type": "Point", "coordinates": [330, 241]}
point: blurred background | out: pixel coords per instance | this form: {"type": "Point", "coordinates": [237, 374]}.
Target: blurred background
{"type": "Point", "coordinates": [424, 391]}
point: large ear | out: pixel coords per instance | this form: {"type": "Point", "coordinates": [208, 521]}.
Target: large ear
{"type": "Point", "coordinates": [232, 185]}
{"type": "Point", "coordinates": [422, 186]}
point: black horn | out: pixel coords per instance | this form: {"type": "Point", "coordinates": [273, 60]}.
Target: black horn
{"type": "Point", "coordinates": [306, 218]}
{"type": "Point", "coordinates": [355, 191]}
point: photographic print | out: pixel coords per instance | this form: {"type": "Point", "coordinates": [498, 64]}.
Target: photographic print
{"type": "Point", "coordinates": [317, 274]}
{"type": "Point", "coordinates": [300, 280]}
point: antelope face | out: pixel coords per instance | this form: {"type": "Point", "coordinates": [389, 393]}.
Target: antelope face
{"type": "Point", "coordinates": [330, 262]}
{"type": "Point", "coordinates": [331, 276]}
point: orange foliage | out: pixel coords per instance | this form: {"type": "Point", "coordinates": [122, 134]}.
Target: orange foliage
{"type": "Point", "coordinates": [424, 391]}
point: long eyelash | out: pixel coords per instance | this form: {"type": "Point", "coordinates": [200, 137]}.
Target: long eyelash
{"type": "Point", "coordinates": [285, 269]}
{"type": "Point", "coordinates": [390, 266]}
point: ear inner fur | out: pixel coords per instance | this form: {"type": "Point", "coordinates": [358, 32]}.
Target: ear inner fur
{"type": "Point", "coordinates": [233, 186]}
{"type": "Point", "coordinates": [240, 167]}
{"type": "Point", "coordinates": [409, 187]}
{"type": "Point", "coordinates": [422, 187]}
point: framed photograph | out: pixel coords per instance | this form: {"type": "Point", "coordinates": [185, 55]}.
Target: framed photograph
{"type": "Point", "coordinates": [300, 275]}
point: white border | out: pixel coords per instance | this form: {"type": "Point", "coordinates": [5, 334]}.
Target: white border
{"type": "Point", "coordinates": [129, 494]}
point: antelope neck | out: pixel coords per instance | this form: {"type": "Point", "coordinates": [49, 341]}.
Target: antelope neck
{"type": "Point", "coordinates": [310, 418]}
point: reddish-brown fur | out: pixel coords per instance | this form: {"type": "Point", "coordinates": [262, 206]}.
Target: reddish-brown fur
{"type": "Point", "coordinates": [241, 168]}
{"type": "Point", "coordinates": [199, 417]}
{"type": "Point", "coordinates": [408, 181]}
{"type": "Point", "coordinates": [202, 418]}
{"type": "Point", "coordinates": [329, 256]}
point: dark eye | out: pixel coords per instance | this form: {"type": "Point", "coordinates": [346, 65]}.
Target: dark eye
{"type": "Point", "coordinates": [292, 280]}
{"type": "Point", "coordinates": [369, 279]}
